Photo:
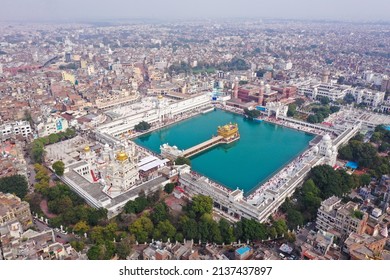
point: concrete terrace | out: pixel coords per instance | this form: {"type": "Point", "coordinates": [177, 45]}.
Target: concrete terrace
{"type": "Point", "coordinates": [95, 197]}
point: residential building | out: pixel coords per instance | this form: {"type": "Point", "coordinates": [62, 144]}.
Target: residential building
{"type": "Point", "coordinates": [320, 90]}
{"type": "Point", "coordinates": [13, 209]}
{"type": "Point", "coordinates": [364, 246]}
{"type": "Point", "coordinates": [15, 128]}
{"type": "Point", "coordinates": [368, 97]}
{"type": "Point", "coordinates": [53, 124]}
{"type": "Point", "coordinates": [345, 218]}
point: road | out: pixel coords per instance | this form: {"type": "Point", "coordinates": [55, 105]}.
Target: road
{"type": "Point", "coordinates": [60, 237]}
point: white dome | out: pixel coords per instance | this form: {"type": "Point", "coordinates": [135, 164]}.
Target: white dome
{"type": "Point", "coordinates": [328, 153]}
{"type": "Point", "coordinates": [334, 149]}
{"type": "Point", "coordinates": [326, 138]}
{"type": "Point", "coordinates": [315, 149]}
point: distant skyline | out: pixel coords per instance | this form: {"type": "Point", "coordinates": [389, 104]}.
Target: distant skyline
{"type": "Point", "coordinates": [89, 10]}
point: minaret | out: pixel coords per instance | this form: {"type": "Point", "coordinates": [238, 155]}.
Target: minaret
{"type": "Point", "coordinates": [325, 76]}
{"type": "Point", "coordinates": [235, 89]}
{"type": "Point", "coordinates": [261, 94]}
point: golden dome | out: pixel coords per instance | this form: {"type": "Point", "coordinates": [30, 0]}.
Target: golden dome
{"type": "Point", "coordinates": [122, 156]}
{"type": "Point", "coordinates": [160, 97]}
{"type": "Point", "coordinates": [87, 149]}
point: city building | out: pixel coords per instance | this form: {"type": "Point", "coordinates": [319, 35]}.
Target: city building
{"type": "Point", "coordinates": [368, 97]}
{"type": "Point", "coordinates": [52, 124]}
{"type": "Point", "coordinates": [345, 218]}
{"type": "Point", "coordinates": [366, 247]}
{"type": "Point", "coordinates": [32, 245]}
{"type": "Point", "coordinates": [106, 176]}
{"type": "Point", "coordinates": [13, 209]}
{"type": "Point", "coordinates": [317, 91]}
{"type": "Point", "coordinates": [15, 128]}
{"type": "Point", "coordinates": [68, 77]}
{"type": "Point", "coordinates": [243, 253]}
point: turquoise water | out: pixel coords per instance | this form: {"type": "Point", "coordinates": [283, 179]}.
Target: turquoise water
{"type": "Point", "coordinates": [261, 151]}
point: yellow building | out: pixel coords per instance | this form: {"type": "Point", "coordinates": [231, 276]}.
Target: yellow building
{"type": "Point", "coordinates": [76, 57]}
{"type": "Point", "coordinates": [83, 64]}
{"type": "Point", "coordinates": [228, 131]}
{"type": "Point", "coordinates": [68, 77]}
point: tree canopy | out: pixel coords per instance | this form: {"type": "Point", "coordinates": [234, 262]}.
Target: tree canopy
{"type": "Point", "coordinates": [182, 160]}
{"type": "Point", "coordinates": [15, 184]}
{"type": "Point", "coordinates": [59, 167]}
{"type": "Point", "coordinates": [142, 126]}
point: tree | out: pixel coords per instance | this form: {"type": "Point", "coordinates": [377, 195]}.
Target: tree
{"type": "Point", "coordinates": [345, 152]}
{"type": "Point", "coordinates": [96, 215]}
{"type": "Point", "coordinates": [15, 184]}
{"type": "Point", "coordinates": [95, 253]}
{"type": "Point", "coordinates": [324, 100]}
{"type": "Point", "coordinates": [292, 108]}
{"type": "Point", "coordinates": [70, 133]}
{"type": "Point", "coordinates": [164, 230]}
{"type": "Point", "coordinates": [280, 227]}
{"type": "Point", "coordinates": [81, 227]}
{"type": "Point", "coordinates": [202, 204]}
{"type": "Point", "coordinates": [103, 251]}
{"type": "Point", "coordinates": [312, 119]}
{"type": "Point", "coordinates": [226, 231]}
{"type": "Point", "coordinates": [290, 237]}
{"type": "Point", "coordinates": [326, 179]}
{"type": "Point", "coordinates": [272, 233]}
{"type": "Point", "coordinates": [189, 227]}
{"type": "Point", "coordinates": [168, 188]}
{"type": "Point", "coordinates": [365, 180]}
{"type": "Point", "coordinates": [142, 228]}
{"type": "Point", "coordinates": [252, 114]}
{"type": "Point", "coordinates": [53, 138]}
{"type": "Point", "coordinates": [182, 160]}
{"type": "Point", "coordinates": [142, 126]}
{"type": "Point", "coordinates": [59, 167]}
{"type": "Point", "coordinates": [376, 137]}
{"type": "Point", "coordinates": [208, 229]}
{"type": "Point", "coordinates": [253, 230]}
{"type": "Point", "coordinates": [349, 98]}
{"type": "Point", "coordinates": [77, 245]}
{"type": "Point", "coordinates": [294, 219]}
{"type": "Point", "coordinates": [160, 213]}
{"type": "Point", "coordinates": [334, 109]}
{"type": "Point", "coordinates": [136, 206]}
{"type": "Point", "coordinates": [42, 176]}
{"type": "Point", "coordinates": [123, 248]}
{"type": "Point", "coordinates": [37, 151]}
{"type": "Point", "coordinates": [60, 205]}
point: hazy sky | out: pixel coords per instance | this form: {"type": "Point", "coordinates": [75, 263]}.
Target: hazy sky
{"type": "Point", "coordinates": [163, 9]}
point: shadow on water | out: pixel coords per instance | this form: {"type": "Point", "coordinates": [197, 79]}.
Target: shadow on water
{"type": "Point", "coordinates": [227, 147]}
{"type": "Point", "coordinates": [145, 138]}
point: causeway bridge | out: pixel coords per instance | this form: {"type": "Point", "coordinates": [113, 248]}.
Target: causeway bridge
{"type": "Point", "coordinates": [203, 146]}
{"type": "Point", "coordinates": [226, 134]}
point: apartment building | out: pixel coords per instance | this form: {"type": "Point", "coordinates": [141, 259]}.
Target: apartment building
{"type": "Point", "coordinates": [345, 218]}
{"type": "Point", "coordinates": [13, 209]}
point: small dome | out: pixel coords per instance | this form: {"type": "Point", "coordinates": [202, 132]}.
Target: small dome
{"type": "Point", "coordinates": [328, 153]}
{"type": "Point", "coordinates": [326, 137]}
{"type": "Point", "coordinates": [87, 149]}
{"type": "Point", "coordinates": [106, 145]}
{"type": "Point", "coordinates": [160, 97]}
{"type": "Point", "coordinates": [315, 149]}
{"type": "Point", "coordinates": [122, 156]}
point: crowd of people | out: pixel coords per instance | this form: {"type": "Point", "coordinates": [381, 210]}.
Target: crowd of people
{"type": "Point", "coordinates": [284, 175]}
